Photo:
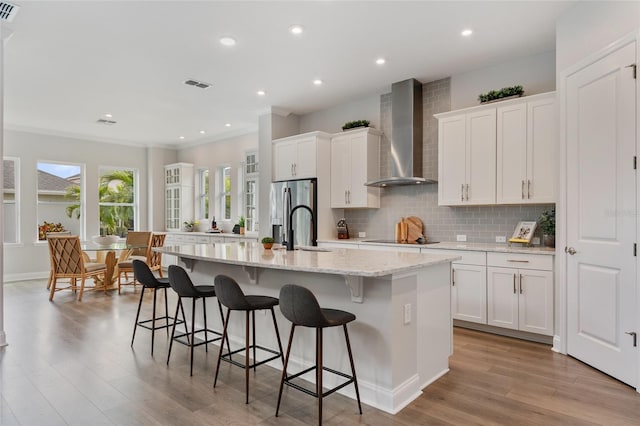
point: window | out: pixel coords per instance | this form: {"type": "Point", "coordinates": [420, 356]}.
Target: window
{"type": "Point", "coordinates": [225, 192]}
{"type": "Point", "coordinates": [250, 189]}
{"type": "Point", "coordinates": [10, 200]}
{"type": "Point", "coordinates": [203, 193]}
{"type": "Point", "coordinates": [60, 198]}
{"type": "Point", "coordinates": [117, 199]}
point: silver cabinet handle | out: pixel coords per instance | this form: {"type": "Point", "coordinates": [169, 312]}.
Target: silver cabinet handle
{"type": "Point", "coordinates": [345, 196]}
{"type": "Point", "coordinates": [522, 190]}
{"type": "Point", "coordinates": [514, 283]}
{"type": "Point", "coordinates": [528, 189]}
{"type": "Point", "coordinates": [349, 195]}
{"type": "Point", "coordinates": [517, 260]}
{"type": "Point", "coordinates": [520, 283]}
{"type": "Point", "coordinates": [453, 277]}
{"type": "Point", "coordinates": [635, 337]}
{"type": "Point", "coordinates": [570, 250]}
{"type": "Point", "coordinates": [295, 169]}
{"type": "Point", "coordinates": [462, 192]}
{"type": "Point", "coordinates": [467, 192]}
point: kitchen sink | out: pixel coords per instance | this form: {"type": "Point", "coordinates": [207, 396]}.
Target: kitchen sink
{"type": "Point", "coordinates": [313, 248]}
{"type": "Point", "coordinates": [395, 242]}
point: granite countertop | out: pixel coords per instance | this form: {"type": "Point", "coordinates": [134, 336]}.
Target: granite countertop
{"type": "Point", "coordinates": [215, 234]}
{"type": "Point", "coordinates": [342, 261]}
{"type": "Point", "coordinates": [499, 248]}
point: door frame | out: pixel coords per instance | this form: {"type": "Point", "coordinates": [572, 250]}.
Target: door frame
{"type": "Point", "coordinates": [561, 288]}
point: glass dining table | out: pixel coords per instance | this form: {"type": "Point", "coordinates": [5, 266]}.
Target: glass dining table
{"type": "Point", "coordinates": [106, 253]}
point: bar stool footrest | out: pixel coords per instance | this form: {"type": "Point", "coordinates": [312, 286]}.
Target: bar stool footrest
{"type": "Point", "coordinates": [288, 381]}
{"type": "Point", "coordinates": [178, 337]}
{"type": "Point", "coordinates": [143, 323]}
{"type": "Point", "coordinates": [227, 357]}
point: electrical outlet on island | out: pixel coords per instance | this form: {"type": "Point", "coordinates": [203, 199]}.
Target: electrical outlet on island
{"type": "Point", "coordinates": [362, 235]}
{"type": "Point", "coordinates": [501, 239]}
{"type": "Point", "coordinates": [461, 238]}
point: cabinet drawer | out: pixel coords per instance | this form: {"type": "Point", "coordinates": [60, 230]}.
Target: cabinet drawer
{"type": "Point", "coordinates": [522, 261]}
{"type": "Point", "coordinates": [468, 257]}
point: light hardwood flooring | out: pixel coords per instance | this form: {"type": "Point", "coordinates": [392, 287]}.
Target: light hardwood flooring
{"type": "Point", "coordinates": [70, 362]}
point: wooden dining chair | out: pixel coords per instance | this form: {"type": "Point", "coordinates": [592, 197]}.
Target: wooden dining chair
{"type": "Point", "coordinates": [54, 234]}
{"type": "Point", "coordinates": [68, 262]}
{"type": "Point", "coordinates": [141, 240]}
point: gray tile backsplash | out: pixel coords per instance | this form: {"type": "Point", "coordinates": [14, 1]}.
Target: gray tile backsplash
{"type": "Point", "coordinates": [480, 224]}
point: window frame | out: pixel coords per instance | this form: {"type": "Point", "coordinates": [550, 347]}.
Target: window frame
{"type": "Point", "coordinates": [16, 201]}
{"type": "Point", "coordinates": [223, 193]}
{"type": "Point", "coordinates": [136, 192]}
{"type": "Point", "coordinates": [202, 195]}
{"type": "Point", "coordinates": [250, 172]}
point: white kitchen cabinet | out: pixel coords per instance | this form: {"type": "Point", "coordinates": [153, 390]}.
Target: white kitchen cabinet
{"type": "Point", "coordinates": [519, 295]}
{"type": "Point", "coordinates": [526, 151]}
{"type": "Point", "coordinates": [467, 158]}
{"type": "Point", "coordinates": [178, 195]}
{"type": "Point", "coordinates": [355, 160]}
{"type": "Point", "coordinates": [296, 157]}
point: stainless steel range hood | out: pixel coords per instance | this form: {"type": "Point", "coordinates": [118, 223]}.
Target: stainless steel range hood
{"type": "Point", "coordinates": [406, 137]}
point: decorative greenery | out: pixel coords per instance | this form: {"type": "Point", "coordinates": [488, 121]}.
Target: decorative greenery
{"type": "Point", "coordinates": [267, 240]}
{"type": "Point", "coordinates": [547, 221]}
{"type": "Point", "coordinates": [502, 93]}
{"type": "Point", "coordinates": [241, 222]}
{"type": "Point", "coordinates": [356, 123]}
{"type": "Point", "coordinates": [190, 224]}
{"type": "Point", "coordinates": [49, 227]}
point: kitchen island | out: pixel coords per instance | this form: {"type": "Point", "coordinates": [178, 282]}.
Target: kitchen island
{"type": "Point", "coordinates": [402, 338]}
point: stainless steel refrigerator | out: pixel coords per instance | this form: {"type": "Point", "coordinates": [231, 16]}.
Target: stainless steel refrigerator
{"type": "Point", "coordinates": [285, 196]}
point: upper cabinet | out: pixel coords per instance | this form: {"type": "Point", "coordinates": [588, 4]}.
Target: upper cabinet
{"type": "Point", "coordinates": [296, 157]}
{"type": "Point", "coordinates": [502, 153]}
{"type": "Point", "coordinates": [355, 160]}
{"type": "Point", "coordinates": [467, 158]}
{"type": "Point", "coordinates": [178, 198]}
{"type": "Point", "coordinates": [526, 143]}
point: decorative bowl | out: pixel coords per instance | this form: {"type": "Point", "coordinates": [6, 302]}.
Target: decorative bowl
{"type": "Point", "coordinates": [105, 240]}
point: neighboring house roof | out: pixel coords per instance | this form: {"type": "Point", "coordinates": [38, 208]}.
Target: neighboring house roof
{"type": "Point", "coordinates": [48, 182]}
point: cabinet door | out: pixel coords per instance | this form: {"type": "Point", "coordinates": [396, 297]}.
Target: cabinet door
{"type": "Point", "coordinates": [536, 301]}
{"type": "Point", "coordinates": [541, 151]}
{"type": "Point", "coordinates": [481, 157]}
{"type": "Point", "coordinates": [359, 162]}
{"type": "Point", "coordinates": [502, 297]}
{"type": "Point", "coordinates": [284, 157]}
{"type": "Point", "coordinates": [451, 160]}
{"type": "Point", "coordinates": [340, 171]}
{"type": "Point", "coordinates": [469, 293]}
{"type": "Point", "coordinates": [512, 154]}
{"type": "Point", "coordinates": [305, 163]}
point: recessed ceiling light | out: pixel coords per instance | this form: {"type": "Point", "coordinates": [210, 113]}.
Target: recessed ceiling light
{"type": "Point", "coordinates": [108, 115]}
{"type": "Point", "coordinates": [227, 41]}
{"type": "Point", "coordinates": [181, 137]}
{"type": "Point", "coordinates": [227, 125]}
{"type": "Point", "coordinates": [317, 82]}
{"type": "Point", "coordinates": [381, 61]}
{"type": "Point", "coordinates": [202, 132]}
{"type": "Point", "coordinates": [261, 93]}
{"type": "Point", "coordinates": [467, 32]}
{"type": "Point", "coordinates": [296, 29]}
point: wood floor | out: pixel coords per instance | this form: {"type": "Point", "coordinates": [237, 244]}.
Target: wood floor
{"type": "Point", "coordinates": [71, 363]}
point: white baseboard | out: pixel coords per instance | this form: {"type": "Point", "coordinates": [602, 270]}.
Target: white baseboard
{"type": "Point", "coordinates": [28, 276]}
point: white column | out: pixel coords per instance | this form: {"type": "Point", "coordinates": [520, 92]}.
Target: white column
{"type": "Point", "coordinates": [5, 36]}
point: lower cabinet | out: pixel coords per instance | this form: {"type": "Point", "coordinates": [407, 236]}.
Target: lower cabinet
{"type": "Point", "coordinates": [520, 298]}
{"type": "Point", "coordinates": [469, 292]}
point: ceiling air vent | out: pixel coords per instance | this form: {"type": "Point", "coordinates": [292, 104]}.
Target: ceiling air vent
{"type": "Point", "coordinates": [196, 83]}
{"type": "Point", "coordinates": [8, 11]}
{"type": "Point", "coordinates": [105, 122]}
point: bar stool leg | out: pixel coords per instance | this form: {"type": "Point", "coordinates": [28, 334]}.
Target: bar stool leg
{"type": "Point", "coordinates": [153, 318]}
{"type": "Point", "coordinates": [166, 311]}
{"type": "Point", "coordinates": [275, 326]}
{"type": "Point", "coordinates": [253, 324]}
{"type": "Point", "coordinates": [193, 332]}
{"type": "Point", "coordinates": [319, 372]}
{"type": "Point", "coordinates": [173, 329]}
{"type": "Point", "coordinates": [204, 312]}
{"type": "Point", "coordinates": [135, 325]}
{"type": "Point", "coordinates": [224, 336]}
{"type": "Point", "coordinates": [246, 358]}
{"type": "Point", "coordinates": [284, 367]}
{"type": "Point", "coordinates": [227, 339]}
{"type": "Point", "coordinates": [353, 368]}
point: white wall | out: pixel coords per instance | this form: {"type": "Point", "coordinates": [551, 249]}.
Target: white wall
{"type": "Point", "coordinates": [590, 26]}
{"type": "Point", "coordinates": [332, 119]}
{"type": "Point", "coordinates": [213, 155]}
{"type": "Point", "coordinates": [30, 258]}
{"type": "Point", "coordinates": [535, 73]}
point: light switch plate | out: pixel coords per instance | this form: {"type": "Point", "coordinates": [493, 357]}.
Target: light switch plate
{"type": "Point", "coordinates": [407, 313]}
{"type": "Point", "coordinates": [362, 234]}
{"type": "Point", "coordinates": [501, 239]}
{"type": "Point", "coordinates": [461, 238]}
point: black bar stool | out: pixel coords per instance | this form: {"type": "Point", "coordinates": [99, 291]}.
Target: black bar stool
{"type": "Point", "coordinates": [182, 285]}
{"type": "Point", "coordinates": [301, 307]}
{"type": "Point", "coordinates": [144, 276]}
{"type": "Point", "coordinates": [230, 295]}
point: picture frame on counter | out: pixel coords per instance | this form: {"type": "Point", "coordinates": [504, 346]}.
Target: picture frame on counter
{"type": "Point", "coordinates": [523, 232]}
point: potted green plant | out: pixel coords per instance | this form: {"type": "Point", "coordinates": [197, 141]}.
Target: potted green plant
{"type": "Point", "coordinates": [547, 222]}
{"type": "Point", "coordinates": [267, 242]}
{"type": "Point", "coordinates": [505, 92]}
{"type": "Point", "coordinates": [190, 225]}
{"type": "Point", "coordinates": [356, 123]}
{"type": "Point", "coordinates": [241, 225]}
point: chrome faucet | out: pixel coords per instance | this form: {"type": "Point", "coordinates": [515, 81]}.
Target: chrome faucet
{"type": "Point", "coordinates": [290, 236]}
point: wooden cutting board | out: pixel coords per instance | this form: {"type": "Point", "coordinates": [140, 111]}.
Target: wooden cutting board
{"type": "Point", "coordinates": [415, 229]}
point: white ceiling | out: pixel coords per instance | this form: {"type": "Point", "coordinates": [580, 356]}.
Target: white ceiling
{"type": "Point", "coordinates": [68, 63]}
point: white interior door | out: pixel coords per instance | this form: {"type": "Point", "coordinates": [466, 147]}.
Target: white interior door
{"type": "Point", "coordinates": [602, 214]}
